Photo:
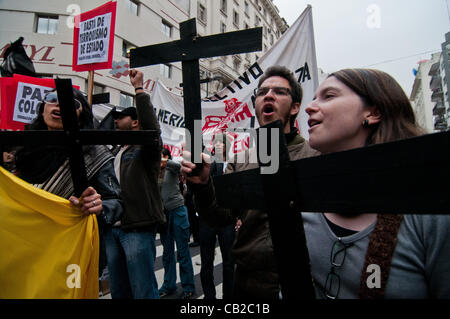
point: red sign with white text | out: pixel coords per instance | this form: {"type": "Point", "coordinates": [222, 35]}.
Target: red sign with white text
{"type": "Point", "coordinates": [93, 38]}
{"type": "Point", "coordinates": [19, 98]}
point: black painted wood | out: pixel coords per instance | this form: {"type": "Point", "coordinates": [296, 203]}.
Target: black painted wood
{"type": "Point", "coordinates": [402, 177]}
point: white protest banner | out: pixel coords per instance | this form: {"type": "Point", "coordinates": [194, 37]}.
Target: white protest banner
{"type": "Point", "coordinates": [169, 111]}
{"type": "Point", "coordinates": [28, 97]}
{"type": "Point", "coordinates": [233, 107]}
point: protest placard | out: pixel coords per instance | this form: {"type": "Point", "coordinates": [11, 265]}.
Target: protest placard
{"type": "Point", "coordinates": [93, 38]}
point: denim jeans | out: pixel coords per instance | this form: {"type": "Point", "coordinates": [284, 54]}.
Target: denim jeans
{"type": "Point", "coordinates": [177, 231]}
{"type": "Point", "coordinates": [208, 237]}
{"type": "Point", "coordinates": [131, 263]}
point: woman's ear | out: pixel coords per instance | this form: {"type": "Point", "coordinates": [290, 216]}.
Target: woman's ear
{"type": "Point", "coordinates": [373, 115]}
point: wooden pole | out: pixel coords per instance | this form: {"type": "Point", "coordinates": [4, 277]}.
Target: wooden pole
{"type": "Point", "coordinates": [90, 86]}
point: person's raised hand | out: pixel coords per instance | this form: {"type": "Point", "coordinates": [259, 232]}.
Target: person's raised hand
{"type": "Point", "coordinates": [137, 79]}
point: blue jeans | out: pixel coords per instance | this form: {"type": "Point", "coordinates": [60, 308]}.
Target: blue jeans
{"type": "Point", "coordinates": [131, 263]}
{"type": "Point", "coordinates": [208, 237]}
{"type": "Point", "coordinates": [177, 231]}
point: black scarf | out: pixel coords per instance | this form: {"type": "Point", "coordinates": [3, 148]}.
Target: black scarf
{"type": "Point", "coordinates": [291, 135]}
{"type": "Point", "coordinates": [35, 164]}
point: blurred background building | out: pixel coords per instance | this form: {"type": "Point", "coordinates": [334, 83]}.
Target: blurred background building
{"type": "Point", "coordinates": [47, 26]}
{"type": "Point", "coordinates": [429, 94]}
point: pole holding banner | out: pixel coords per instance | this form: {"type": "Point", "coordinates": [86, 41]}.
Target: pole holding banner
{"type": "Point", "coordinates": [90, 86]}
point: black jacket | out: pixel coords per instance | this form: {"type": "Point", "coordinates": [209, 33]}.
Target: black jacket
{"type": "Point", "coordinates": [139, 171]}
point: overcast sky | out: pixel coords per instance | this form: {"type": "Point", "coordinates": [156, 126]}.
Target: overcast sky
{"type": "Point", "coordinates": [367, 33]}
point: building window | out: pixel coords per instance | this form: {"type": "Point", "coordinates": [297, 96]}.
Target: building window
{"type": "Point", "coordinates": [132, 6]}
{"type": "Point", "coordinates": [201, 13]}
{"type": "Point", "coordinates": [126, 47]}
{"type": "Point", "coordinates": [98, 89]}
{"type": "Point", "coordinates": [47, 24]}
{"type": "Point", "coordinates": [223, 6]}
{"type": "Point", "coordinates": [165, 70]}
{"type": "Point", "coordinates": [223, 27]}
{"type": "Point", "coordinates": [246, 8]}
{"type": "Point", "coordinates": [126, 100]}
{"type": "Point", "coordinates": [166, 28]}
{"type": "Point", "coordinates": [236, 18]}
{"type": "Point", "coordinates": [257, 21]}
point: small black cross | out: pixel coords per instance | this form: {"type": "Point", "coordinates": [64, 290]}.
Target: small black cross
{"type": "Point", "coordinates": [73, 136]}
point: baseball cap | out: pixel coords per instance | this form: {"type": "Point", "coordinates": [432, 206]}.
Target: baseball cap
{"type": "Point", "coordinates": [129, 111]}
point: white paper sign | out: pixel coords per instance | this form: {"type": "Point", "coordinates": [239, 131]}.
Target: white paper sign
{"type": "Point", "coordinates": [27, 99]}
{"type": "Point", "coordinates": [93, 41]}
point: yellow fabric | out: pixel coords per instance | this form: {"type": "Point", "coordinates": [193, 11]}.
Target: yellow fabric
{"type": "Point", "coordinates": [42, 237]}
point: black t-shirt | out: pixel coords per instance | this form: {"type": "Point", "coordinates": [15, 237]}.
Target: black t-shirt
{"type": "Point", "coordinates": [338, 230]}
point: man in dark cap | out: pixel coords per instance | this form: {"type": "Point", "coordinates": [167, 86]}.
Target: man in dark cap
{"type": "Point", "coordinates": [130, 242]}
{"type": "Point", "coordinates": [126, 120]}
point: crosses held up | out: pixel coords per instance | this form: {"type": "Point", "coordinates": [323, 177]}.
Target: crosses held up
{"type": "Point", "coordinates": [189, 49]}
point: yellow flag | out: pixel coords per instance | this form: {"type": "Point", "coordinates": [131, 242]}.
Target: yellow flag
{"type": "Point", "coordinates": [47, 248]}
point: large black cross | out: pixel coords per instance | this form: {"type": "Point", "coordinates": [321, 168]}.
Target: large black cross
{"type": "Point", "coordinates": [189, 49]}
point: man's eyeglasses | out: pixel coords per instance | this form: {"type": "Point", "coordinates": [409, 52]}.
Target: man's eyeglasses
{"type": "Point", "coordinates": [280, 91]}
{"type": "Point", "coordinates": [337, 258]}
{"type": "Point", "coordinates": [52, 98]}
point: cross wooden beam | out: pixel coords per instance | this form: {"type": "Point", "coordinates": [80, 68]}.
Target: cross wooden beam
{"type": "Point", "coordinates": [402, 177]}
{"type": "Point", "coordinates": [189, 49]}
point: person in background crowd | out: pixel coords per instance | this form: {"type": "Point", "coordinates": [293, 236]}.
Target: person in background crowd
{"type": "Point", "coordinates": [131, 240]}
{"type": "Point", "coordinates": [9, 162]}
{"type": "Point", "coordinates": [177, 231]}
{"type": "Point", "coordinates": [355, 108]}
{"type": "Point", "coordinates": [209, 235]}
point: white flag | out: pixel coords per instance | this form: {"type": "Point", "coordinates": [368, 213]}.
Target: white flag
{"type": "Point", "coordinates": [233, 107]}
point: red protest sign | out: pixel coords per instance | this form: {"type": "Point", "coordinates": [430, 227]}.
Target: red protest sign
{"type": "Point", "coordinates": [93, 38]}
{"type": "Point", "coordinates": [19, 99]}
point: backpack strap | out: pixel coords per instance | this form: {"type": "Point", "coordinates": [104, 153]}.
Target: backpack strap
{"type": "Point", "coordinates": [379, 252]}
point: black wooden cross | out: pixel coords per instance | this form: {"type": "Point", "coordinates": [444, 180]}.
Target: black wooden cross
{"type": "Point", "coordinates": [189, 49]}
{"type": "Point", "coordinates": [295, 278]}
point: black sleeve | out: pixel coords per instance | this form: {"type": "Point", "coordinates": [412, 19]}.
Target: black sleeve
{"type": "Point", "coordinates": [106, 184]}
